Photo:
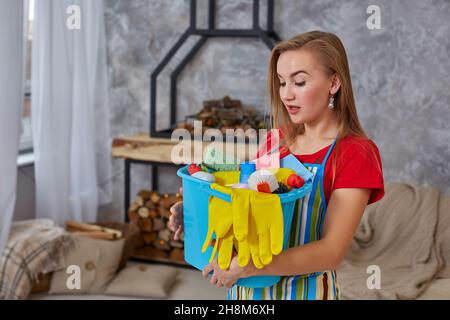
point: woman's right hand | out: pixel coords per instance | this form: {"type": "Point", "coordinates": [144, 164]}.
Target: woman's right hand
{"type": "Point", "coordinates": [176, 219]}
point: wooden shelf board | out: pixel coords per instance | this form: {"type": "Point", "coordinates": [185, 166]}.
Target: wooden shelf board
{"type": "Point", "coordinates": [143, 147]}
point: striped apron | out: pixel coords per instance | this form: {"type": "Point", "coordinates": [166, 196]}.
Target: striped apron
{"type": "Point", "coordinates": [307, 225]}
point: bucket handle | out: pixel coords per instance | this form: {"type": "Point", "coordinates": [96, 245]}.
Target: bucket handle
{"type": "Point", "coordinates": [207, 188]}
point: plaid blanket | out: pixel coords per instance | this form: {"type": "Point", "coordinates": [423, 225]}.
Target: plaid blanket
{"type": "Point", "coordinates": [34, 247]}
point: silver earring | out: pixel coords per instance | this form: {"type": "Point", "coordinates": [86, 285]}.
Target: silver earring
{"type": "Point", "coordinates": [331, 103]}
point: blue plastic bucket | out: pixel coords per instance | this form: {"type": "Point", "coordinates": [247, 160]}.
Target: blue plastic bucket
{"type": "Point", "coordinates": [196, 194]}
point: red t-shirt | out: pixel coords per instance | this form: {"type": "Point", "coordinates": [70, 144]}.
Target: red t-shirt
{"type": "Point", "coordinates": [358, 165]}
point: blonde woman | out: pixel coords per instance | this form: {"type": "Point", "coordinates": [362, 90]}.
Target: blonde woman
{"type": "Point", "coordinates": [314, 111]}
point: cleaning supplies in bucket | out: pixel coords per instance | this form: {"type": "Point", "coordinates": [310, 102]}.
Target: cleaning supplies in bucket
{"type": "Point", "coordinates": [197, 195]}
{"type": "Point", "coordinates": [257, 216]}
{"type": "Point", "coordinates": [270, 180]}
{"type": "Point", "coordinates": [246, 169]}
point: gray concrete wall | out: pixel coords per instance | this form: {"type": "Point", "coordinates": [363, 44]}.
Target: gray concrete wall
{"type": "Point", "coordinates": [400, 74]}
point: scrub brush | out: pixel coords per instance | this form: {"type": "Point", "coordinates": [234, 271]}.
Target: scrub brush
{"type": "Point", "coordinates": [282, 188]}
{"type": "Point", "coordinates": [263, 181]}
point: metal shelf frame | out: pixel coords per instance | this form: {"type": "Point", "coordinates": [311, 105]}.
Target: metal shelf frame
{"type": "Point", "coordinates": [268, 36]}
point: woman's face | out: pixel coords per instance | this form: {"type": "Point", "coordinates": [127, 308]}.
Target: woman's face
{"type": "Point", "coordinates": [304, 85]}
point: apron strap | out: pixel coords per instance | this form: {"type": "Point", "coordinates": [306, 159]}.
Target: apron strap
{"type": "Point", "coordinates": [322, 166]}
{"type": "Point", "coordinates": [329, 152]}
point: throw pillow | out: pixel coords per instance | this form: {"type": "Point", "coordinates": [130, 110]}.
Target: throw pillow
{"type": "Point", "coordinates": [143, 280]}
{"type": "Point", "coordinates": [95, 261]}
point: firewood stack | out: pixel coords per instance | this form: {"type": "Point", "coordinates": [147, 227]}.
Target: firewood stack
{"type": "Point", "coordinates": [150, 211]}
{"type": "Point", "coordinates": [226, 114]}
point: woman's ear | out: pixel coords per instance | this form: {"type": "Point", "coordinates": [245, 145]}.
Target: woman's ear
{"type": "Point", "coordinates": [335, 84]}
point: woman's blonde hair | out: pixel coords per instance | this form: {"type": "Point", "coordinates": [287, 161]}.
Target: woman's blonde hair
{"type": "Point", "coordinates": [330, 52]}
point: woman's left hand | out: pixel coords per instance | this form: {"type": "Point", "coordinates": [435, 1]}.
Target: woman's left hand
{"type": "Point", "coordinates": [227, 277]}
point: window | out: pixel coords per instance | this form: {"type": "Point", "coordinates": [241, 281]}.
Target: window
{"type": "Point", "coordinates": [26, 139]}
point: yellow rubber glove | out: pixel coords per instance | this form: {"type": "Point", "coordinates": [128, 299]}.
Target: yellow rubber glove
{"type": "Point", "coordinates": [249, 248]}
{"type": "Point", "coordinates": [220, 220]}
{"type": "Point", "coordinates": [267, 216]}
{"type": "Point", "coordinates": [240, 204]}
{"type": "Point", "coordinates": [257, 225]}
{"type": "Point", "coordinates": [239, 209]}
{"type": "Point", "coordinates": [253, 243]}
{"type": "Point", "coordinates": [225, 250]}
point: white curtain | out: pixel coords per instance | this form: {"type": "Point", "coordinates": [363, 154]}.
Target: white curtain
{"type": "Point", "coordinates": [70, 113]}
{"type": "Point", "coordinates": [11, 103]}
